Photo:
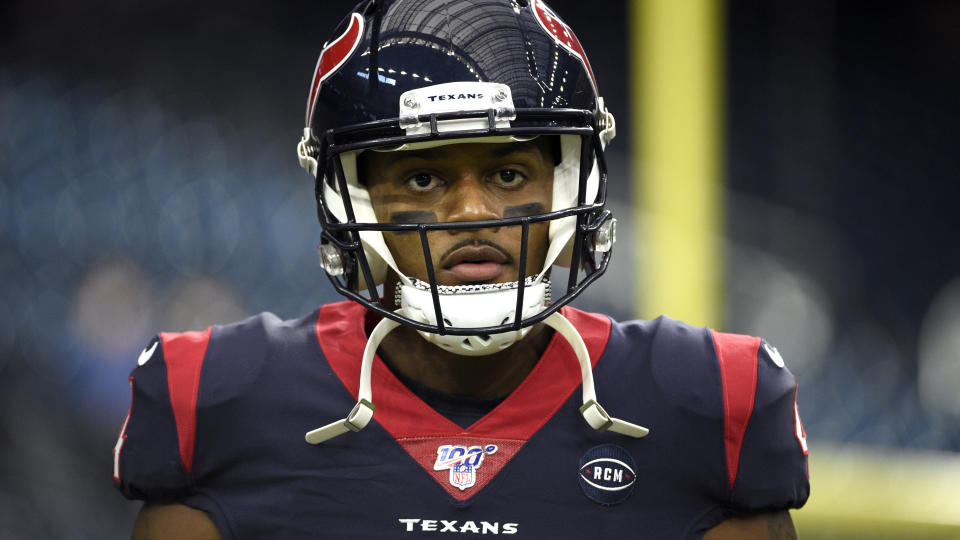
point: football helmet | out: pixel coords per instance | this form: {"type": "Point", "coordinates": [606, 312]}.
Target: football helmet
{"type": "Point", "coordinates": [409, 74]}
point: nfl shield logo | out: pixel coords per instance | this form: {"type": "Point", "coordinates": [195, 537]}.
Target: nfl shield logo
{"type": "Point", "coordinates": [463, 476]}
{"type": "Point", "coordinates": [462, 461]}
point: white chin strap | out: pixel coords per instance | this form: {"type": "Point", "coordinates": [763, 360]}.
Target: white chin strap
{"type": "Point", "coordinates": [473, 306]}
{"type": "Point", "coordinates": [362, 412]}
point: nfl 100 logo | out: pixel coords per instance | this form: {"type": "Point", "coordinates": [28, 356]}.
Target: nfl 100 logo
{"type": "Point", "coordinates": [462, 462]}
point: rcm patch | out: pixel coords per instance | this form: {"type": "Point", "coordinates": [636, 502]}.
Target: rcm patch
{"type": "Point", "coordinates": [607, 474]}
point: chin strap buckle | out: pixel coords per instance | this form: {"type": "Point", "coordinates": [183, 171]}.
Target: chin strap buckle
{"type": "Point", "coordinates": [592, 412]}
{"type": "Point", "coordinates": [605, 123]}
{"type": "Point", "coordinates": [362, 412]}
{"type": "Point", "coordinates": [307, 152]}
{"type": "Point", "coordinates": [358, 419]}
{"type": "Point", "coordinates": [599, 420]}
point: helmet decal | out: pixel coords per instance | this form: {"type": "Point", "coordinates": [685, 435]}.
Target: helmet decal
{"type": "Point", "coordinates": [333, 56]}
{"type": "Point", "coordinates": [562, 34]}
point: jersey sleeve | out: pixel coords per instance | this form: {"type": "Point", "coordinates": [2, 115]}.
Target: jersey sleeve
{"type": "Point", "coordinates": [153, 456]}
{"type": "Point", "coordinates": [764, 442]}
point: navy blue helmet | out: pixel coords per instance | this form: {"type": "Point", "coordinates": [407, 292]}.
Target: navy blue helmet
{"type": "Point", "coordinates": [406, 74]}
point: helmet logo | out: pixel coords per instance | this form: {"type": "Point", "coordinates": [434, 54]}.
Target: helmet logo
{"type": "Point", "coordinates": [333, 56]}
{"type": "Point", "coordinates": [562, 34]}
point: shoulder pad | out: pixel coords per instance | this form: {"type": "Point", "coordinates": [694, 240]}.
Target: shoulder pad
{"type": "Point", "coordinates": [154, 452]}
{"type": "Point", "coordinates": [236, 357]}
{"type": "Point", "coordinates": [684, 367]}
{"type": "Point", "coordinates": [773, 470]}
{"type": "Point", "coordinates": [187, 386]}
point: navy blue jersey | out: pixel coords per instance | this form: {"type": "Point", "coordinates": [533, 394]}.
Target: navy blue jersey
{"type": "Point", "coordinates": [218, 420]}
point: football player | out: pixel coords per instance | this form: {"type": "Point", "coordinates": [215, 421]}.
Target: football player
{"type": "Point", "coordinates": [457, 148]}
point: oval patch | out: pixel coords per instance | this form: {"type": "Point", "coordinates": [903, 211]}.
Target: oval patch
{"type": "Point", "coordinates": [607, 474]}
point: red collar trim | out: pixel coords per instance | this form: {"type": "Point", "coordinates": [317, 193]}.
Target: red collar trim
{"type": "Point", "coordinates": [341, 337]}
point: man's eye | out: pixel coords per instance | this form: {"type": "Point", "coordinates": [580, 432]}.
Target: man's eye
{"type": "Point", "coordinates": [509, 177]}
{"type": "Point", "coordinates": [422, 182]}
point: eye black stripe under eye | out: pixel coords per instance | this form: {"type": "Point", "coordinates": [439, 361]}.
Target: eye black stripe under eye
{"type": "Point", "coordinates": [529, 209]}
{"type": "Point", "coordinates": [413, 216]}
{"type": "Point", "coordinates": [421, 216]}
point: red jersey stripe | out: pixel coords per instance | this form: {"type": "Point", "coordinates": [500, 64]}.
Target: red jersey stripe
{"type": "Point", "coordinates": [183, 355]}
{"type": "Point", "coordinates": [737, 355]}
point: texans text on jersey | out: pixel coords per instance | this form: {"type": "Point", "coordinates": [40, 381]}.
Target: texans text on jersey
{"type": "Point", "coordinates": [455, 526]}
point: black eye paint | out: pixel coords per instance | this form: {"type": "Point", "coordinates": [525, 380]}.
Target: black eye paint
{"type": "Point", "coordinates": [423, 216]}
{"type": "Point", "coordinates": [413, 216]}
{"type": "Point", "coordinates": [529, 209]}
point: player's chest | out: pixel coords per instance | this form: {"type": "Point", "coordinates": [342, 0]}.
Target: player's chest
{"type": "Point", "coordinates": [555, 485]}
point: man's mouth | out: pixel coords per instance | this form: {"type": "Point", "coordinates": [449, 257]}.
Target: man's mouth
{"type": "Point", "coordinates": [476, 263]}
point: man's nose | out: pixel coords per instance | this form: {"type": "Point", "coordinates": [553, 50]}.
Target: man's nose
{"type": "Point", "coordinates": [471, 200]}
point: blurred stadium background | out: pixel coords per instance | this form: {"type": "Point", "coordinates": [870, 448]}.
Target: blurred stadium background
{"type": "Point", "coordinates": [148, 182]}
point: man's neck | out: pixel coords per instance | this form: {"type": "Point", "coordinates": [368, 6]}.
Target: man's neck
{"type": "Point", "coordinates": [494, 375]}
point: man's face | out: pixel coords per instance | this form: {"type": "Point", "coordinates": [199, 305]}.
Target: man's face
{"type": "Point", "coordinates": [463, 182]}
